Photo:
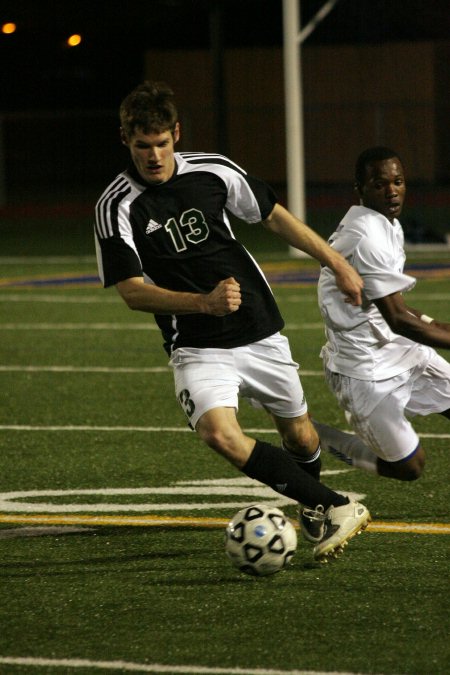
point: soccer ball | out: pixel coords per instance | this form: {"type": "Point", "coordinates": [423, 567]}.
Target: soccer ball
{"type": "Point", "coordinates": [260, 540]}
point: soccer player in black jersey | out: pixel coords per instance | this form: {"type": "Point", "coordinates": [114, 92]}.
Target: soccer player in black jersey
{"type": "Point", "coordinates": [164, 240]}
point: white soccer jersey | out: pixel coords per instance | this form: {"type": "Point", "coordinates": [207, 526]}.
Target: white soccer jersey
{"type": "Point", "coordinates": [360, 343]}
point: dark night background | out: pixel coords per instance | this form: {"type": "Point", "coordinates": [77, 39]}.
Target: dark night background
{"type": "Point", "coordinates": [38, 72]}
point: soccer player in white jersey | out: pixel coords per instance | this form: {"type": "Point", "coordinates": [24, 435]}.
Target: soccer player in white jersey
{"type": "Point", "coordinates": [164, 240]}
{"type": "Point", "coordinates": [379, 357]}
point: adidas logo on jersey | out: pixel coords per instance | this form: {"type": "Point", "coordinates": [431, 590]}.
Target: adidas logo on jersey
{"type": "Point", "coordinates": [152, 226]}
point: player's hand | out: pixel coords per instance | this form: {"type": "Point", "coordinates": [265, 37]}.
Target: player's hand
{"type": "Point", "coordinates": [350, 283]}
{"type": "Point", "coordinates": [224, 299]}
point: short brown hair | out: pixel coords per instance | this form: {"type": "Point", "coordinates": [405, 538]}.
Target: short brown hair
{"type": "Point", "coordinates": [149, 107]}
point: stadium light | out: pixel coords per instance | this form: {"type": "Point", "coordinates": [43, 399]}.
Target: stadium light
{"type": "Point", "coordinates": [9, 28]}
{"type": "Point", "coordinates": [74, 40]}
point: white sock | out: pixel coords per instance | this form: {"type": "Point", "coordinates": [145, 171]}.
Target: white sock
{"type": "Point", "coordinates": [346, 447]}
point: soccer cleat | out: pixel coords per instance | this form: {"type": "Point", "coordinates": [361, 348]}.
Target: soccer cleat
{"type": "Point", "coordinates": [312, 523]}
{"type": "Point", "coordinates": [342, 523]}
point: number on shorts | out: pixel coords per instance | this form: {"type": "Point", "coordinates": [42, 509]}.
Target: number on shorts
{"type": "Point", "coordinates": [186, 402]}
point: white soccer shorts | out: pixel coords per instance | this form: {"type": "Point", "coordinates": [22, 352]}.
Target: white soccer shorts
{"type": "Point", "coordinates": [378, 411]}
{"type": "Point", "coordinates": [262, 372]}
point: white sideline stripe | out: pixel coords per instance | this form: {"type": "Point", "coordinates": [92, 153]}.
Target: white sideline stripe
{"type": "Point", "coordinates": [82, 427]}
{"type": "Point", "coordinates": [26, 427]}
{"type": "Point", "coordinates": [79, 326]}
{"type": "Point", "coordinates": [83, 369]}
{"type": "Point", "coordinates": [51, 259]}
{"type": "Point", "coordinates": [101, 299]}
{"type": "Point", "coordinates": [85, 299]}
{"type": "Point", "coordinates": [417, 296]}
{"type": "Point", "coordinates": [61, 297]}
{"type": "Point", "coordinates": [155, 667]}
{"type": "Point", "coordinates": [107, 369]}
{"type": "Point", "coordinates": [120, 326]}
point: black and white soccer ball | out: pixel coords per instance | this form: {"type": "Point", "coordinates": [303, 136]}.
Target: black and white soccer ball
{"type": "Point", "coordinates": [260, 540]}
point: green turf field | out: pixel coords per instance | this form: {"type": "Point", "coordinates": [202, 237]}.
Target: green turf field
{"type": "Point", "coordinates": [112, 513]}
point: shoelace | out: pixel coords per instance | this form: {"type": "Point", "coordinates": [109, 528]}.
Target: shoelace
{"type": "Point", "coordinates": [317, 514]}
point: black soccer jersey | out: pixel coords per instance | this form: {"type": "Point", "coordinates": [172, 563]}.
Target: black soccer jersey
{"type": "Point", "coordinates": [178, 236]}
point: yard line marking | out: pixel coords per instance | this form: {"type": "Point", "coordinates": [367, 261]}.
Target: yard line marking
{"type": "Point", "coordinates": [108, 369]}
{"type": "Point", "coordinates": [52, 259]}
{"type": "Point", "coordinates": [193, 521]}
{"type": "Point", "coordinates": [83, 369]}
{"type": "Point", "coordinates": [86, 299]}
{"type": "Point", "coordinates": [26, 427]}
{"type": "Point", "coordinates": [102, 298]}
{"type": "Point", "coordinates": [79, 326]}
{"type": "Point", "coordinates": [82, 427]}
{"type": "Point", "coordinates": [121, 326]}
{"type": "Point", "coordinates": [28, 501]}
{"type": "Point", "coordinates": [28, 295]}
{"type": "Point", "coordinates": [154, 667]}
{"type": "Point", "coordinates": [417, 296]}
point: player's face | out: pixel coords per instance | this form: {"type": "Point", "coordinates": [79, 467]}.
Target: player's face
{"type": "Point", "coordinates": [153, 154]}
{"type": "Point", "coordinates": [384, 187]}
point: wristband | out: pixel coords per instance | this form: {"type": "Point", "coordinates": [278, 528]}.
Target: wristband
{"type": "Point", "coordinates": [426, 319]}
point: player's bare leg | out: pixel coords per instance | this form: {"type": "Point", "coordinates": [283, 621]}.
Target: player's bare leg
{"type": "Point", "coordinates": [408, 469]}
{"type": "Point", "coordinates": [268, 464]}
{"type": "Point", "coordinates": [220, 430]}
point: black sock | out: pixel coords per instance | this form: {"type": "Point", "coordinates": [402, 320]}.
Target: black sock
{"type": "Point", "coordinates": [311, 465]}
{"type": "Point", "coordinates": [272, 466]}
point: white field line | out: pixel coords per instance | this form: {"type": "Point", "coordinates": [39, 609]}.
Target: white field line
{"type": "Point", "coordinates": [60, 296]}
{"type": "Point", "coordinates": [26, 507]}
{"type": "Point", "coordinates": [79, 326]}
{"type": "Point", "coordinates": [19, 502]}
{"type": "Point", "coordinates": [84, 369]}
{"type": "Point", "coordinates": [51, 259]}
{"type": "Point", "coordinates": [109, 369]}
{"type": "Point", "coordinates": [207, 493]}
{"type": "Point", "coordinates": [128, 666]}
{"type": "Point", "coordinates": [132, 429]}
{"type": "Point", "coordinates": [120, 326]}
{"type": "Point", "coordinates": [294, 298]}
{"type": "Point", "coordinates": [26, 427]}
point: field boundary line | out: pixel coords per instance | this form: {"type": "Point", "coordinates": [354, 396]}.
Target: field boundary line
{"type": "Point", "coordinates": [79, 326]}
{"type": "Point", "coordinates": [47, 259]}
{"type": "Point", "coordinates": [85, 369]}
{"type": "Point", "coordinates": [121, 326]}
{"type": "Point", "coordinates": [22, 295]}
{"type": "Point", "coordinates": [128, 666]}
{"type": "Point", "coordinates": [108, 369]}
{"type": "Point", "coordinates": [194, 521]}
{"type": "Point", "coordinates": [59, 298]}
{"type": "Point", "coordinates": [186, 429]}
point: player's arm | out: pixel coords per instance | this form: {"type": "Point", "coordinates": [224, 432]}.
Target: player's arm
{"type": "Point", "coordinates": [298, 234]}
{"type": "Point", "coordinates": [224, 299]}
{"type": "Point", "coordinates": [412, 323]}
